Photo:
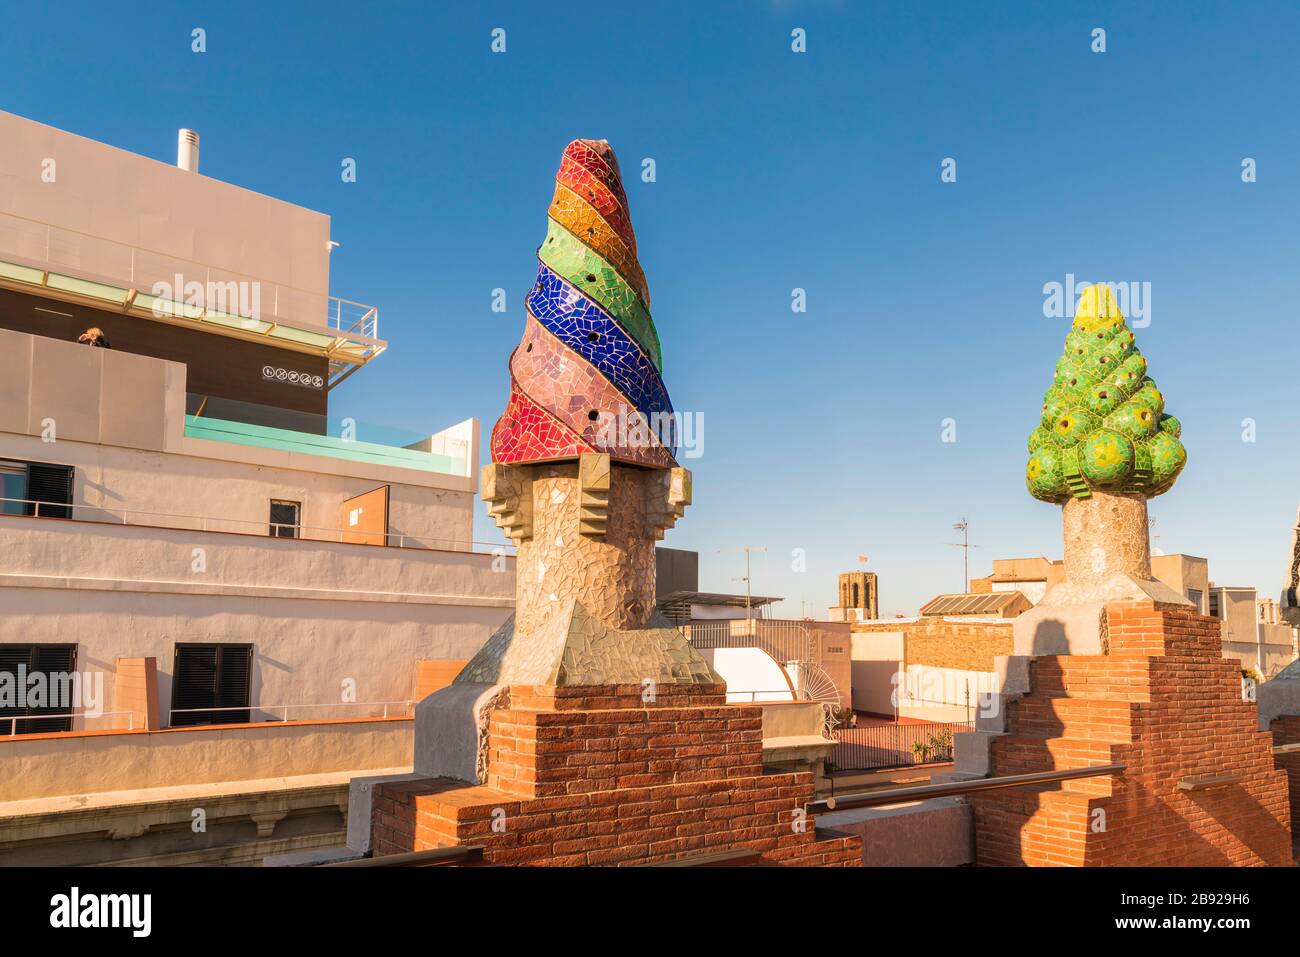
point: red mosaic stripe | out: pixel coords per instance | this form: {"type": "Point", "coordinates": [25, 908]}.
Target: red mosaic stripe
{"type": "Point", "coordinates": [571, 391]}
{"type": "Point", "coordinates": [579, 179]}
{"type": "Point", "coordinates": [599, 160]}
{"type": "Point", "coordinates": [527, 433]}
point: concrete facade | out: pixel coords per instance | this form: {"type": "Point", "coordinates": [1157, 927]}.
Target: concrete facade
{"type": "Point", "coordinates": [153, 207]}
{"type": "Point", "coordinates": [200, 795]}
{"type": "Point", "coordinates": [168, 542]}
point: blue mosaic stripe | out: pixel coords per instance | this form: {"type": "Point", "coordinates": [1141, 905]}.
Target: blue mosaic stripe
{"type": "Point", "coordinates": [573, 319]}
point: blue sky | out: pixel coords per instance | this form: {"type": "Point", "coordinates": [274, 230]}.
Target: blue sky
{"type": "Point", "coordinates": [776, 170]}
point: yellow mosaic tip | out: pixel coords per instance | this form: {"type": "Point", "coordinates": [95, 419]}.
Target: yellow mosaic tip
{"type": "Point", "coordinates": [1097, 308]}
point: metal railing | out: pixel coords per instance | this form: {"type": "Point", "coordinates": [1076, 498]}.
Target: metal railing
{"type": "Point", "coordinates": [284, 709]}
{"type": "Point", "coordinates": [435, 857]}
{"type": "Point", "coordinates": [197, 523]}
{"type": "Point", "coordinates": [14, 719]}
{"type": "Point", "coordinates": [43, 246]}
{"type": "Point", "coordinates": [955, 788]}
{"type": "Point", "coordinates": [751, 697]}
{"type": "Point", "coordinates": [739, 857]}
{"type": "Point", "coordinates": [788, 643]}
{"type": "Point", "coordinates": [785, 641]}
{"type": "Point", "coordinates": [878, 747]}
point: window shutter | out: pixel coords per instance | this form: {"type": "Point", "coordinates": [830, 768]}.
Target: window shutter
{"type": "Point", "coordinates": [233, 684]}
{"type": "Point", "coordinates": [50, 483]}
{"type": "Point", "coordinates": [211, 676]}
{"type": "Point", "coordinates": [48, 659]}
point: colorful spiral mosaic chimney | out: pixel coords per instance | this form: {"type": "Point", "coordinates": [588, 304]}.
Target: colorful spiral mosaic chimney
{"type": "Point", "coordinates": [586, 376]}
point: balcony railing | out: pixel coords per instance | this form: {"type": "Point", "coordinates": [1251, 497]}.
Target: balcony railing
{"type": "Point", "coordinates": [785, 641]}
{"type": "Point", "coordinates": [108, 515]}
{"type": "Point", "coordinates": [68, 262]}
{"type": "Point", "coordinates": [379, 709]}
{"type": "Point", "coordinates": [69, 715]}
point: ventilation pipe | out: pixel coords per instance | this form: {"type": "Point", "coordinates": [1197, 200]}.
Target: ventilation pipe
{"type": "Point", "coordinates": [187, 150]}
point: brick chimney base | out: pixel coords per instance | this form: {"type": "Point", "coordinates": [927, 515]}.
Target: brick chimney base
{"type": "Point", "coordinates": [1200, 787]}
{"type": "Point", "coordinates": [596, 775]}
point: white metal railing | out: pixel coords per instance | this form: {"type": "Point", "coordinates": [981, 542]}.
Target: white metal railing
{"type": "Point", "coordinates": [785, 641]}
{"type": "Point", "coordinates": [353, 318]}
{"type": "Point", "coordinates": [752, 696]}
{"type": "Point", "coordinates": [13, 721]}
{"type": "Point", "coordinates": [198, 523]}
{"type": "Point", "coordinates": [284, 708]}
{"type": "Point", "coordinates": [49, 248]}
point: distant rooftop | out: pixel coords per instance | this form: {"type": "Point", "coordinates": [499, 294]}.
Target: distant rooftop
{"type": "Point", "coordinates": [676, 606]}
{"type": "Point", "coordinates": [996, 603]}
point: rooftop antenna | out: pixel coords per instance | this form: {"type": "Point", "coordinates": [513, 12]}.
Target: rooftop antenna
{"type": "Point", "coordinates": [964, 527]}
{"type": "Point", "coordinates": [746, 549]}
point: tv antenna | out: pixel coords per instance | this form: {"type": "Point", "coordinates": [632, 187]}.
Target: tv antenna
{"type": "Point", "coordinates": [746, 549]}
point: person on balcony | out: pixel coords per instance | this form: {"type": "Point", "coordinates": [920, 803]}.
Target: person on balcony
{"type": "Point", "coordinates": [94, 336]}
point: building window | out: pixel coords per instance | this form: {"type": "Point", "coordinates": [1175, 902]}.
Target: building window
{"type": "Point", "coordinates": [284, 518]}
{"type": "Point", "coordinates": [211, 676]}
{"type": "Point", "coordinates": [17, 662]}
{"type": "Point", "coordinates": [1213, 608]}
{"type": "Point", "coordinates": [35, 488]}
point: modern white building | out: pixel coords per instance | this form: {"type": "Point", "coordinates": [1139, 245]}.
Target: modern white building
{"type": "Point", "coordinates": [185, 523]}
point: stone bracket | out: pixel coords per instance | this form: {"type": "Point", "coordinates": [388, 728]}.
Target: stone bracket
{"type": "Point", "coordinates": [267, 820]}
{"type": "Point", "coordinates": [508, 491]}
{"type": "Point", "coordinates": [593, 489]}
{"type": "Point", "coordinates": [667, 499]}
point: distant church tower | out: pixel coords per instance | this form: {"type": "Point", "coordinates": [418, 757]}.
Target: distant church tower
{"type": "Point", "coordinates": [859, 599]}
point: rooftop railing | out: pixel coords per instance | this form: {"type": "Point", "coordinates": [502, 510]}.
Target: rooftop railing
{"type": "Point", "coordinates": [956, 788]}
{"type": "Point", "coordinates": [378, 709]}
{"type": "Point", "coordinates": [67, 261]}
{"type": "Point", "coordinates": [108, 515]}
{"type": "Point", "coordinates": [63, 716]}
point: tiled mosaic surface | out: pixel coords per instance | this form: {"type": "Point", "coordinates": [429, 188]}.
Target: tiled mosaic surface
{"type": "Point", "coordinates": [1103, 426]}
{"type": "Point", "coordinates": [580, 179]}
{"type": "Point", "coordinates": [585, 606]}
{"type": "Point", "coordinates": [527, 433]}
{"type": "Point", "coordinates": [597, 158]}
{"type": "Point", "coordinates": [588, 330]}
{"type": "Point", "coordinates": [587, 272]}
{"type": "Point", "coordinates": [586, 374]}
{"type": "Point", "coordinates": [579, 397]}
{"type": "Point", "coordinates": [569, 210]}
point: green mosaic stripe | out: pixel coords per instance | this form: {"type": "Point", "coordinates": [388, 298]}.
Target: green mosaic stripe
{"type": "Point", "coordinates": [593, 276]}
{"type": "Point", "coordinates": [242, 433]}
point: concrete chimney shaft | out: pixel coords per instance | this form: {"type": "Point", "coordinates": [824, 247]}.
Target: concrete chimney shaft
{"type": "Point", "coordinates": [187, 150]}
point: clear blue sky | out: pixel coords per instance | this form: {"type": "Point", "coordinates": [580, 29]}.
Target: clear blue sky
{"type": "Point", "coordinates": [779, 170]}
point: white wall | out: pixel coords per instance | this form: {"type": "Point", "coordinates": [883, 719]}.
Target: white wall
{"type": "Point", "coordinates": [169, 216]}
{"type": "Point", "coordinates": [317, 612]}
{"type": "Point", "coordinates": [751, 674]}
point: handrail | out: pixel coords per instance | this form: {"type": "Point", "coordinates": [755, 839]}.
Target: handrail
{"type": "Point", "coordinates": [401, 539]}
{"type": "Point", "coordinates": [734, 858]}
{"type": "Point", "coordinates": [896, 795]}
{"type": "Point", "coordinates": [284, 708]}
{"type": "Point", "coordinates": [435, 857]}
{"type": "Point", "coordinates": [752, 700]}
{"type": "Point", "coordinates": [369, 320]}
{"type": "Point", "coordinates": [13, 721]}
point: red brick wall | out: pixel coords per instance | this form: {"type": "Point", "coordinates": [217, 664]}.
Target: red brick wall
{"type": "Point", "coordinates": [597, 776]}
{"type": "Point", "coordinates": [1165, 703]}
{"type": "Point", "coordinates": [1286, 730]}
